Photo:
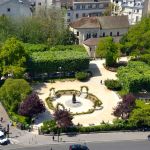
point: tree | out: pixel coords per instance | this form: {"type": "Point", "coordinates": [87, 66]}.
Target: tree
{"type": "Point", "coordinates": [137, 40]}
{"type": "Point", "coordinates": [7, 28]}
{"type": "Point", "coordinates": [124, 107]}
{"type": "Point", "coordinates": [140, 116]}
{"type": "Point", "coordinates": [63, 118]}
{"type": "Point", "coordinates": [31, 106]}
{"type": "Point", "coordinates": [108, 49]}
{"type": "Point", "coordinates": [13, 58]}
{"type": "Point", "coordinates": [109, 9]}
{"type": "Point", "coordinates": [13, 92]}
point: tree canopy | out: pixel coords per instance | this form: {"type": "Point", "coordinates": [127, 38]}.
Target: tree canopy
{"type": "Point", "coordinates": [108, 49]}
{"type": "Point", "coordinates": [137, 40]}
{"type": "Point", "coordinates": [12, 58]}
{"type": "Point", "coordinates": [13, 92]}
{"type": "Point", "coordinates": [31, 106]}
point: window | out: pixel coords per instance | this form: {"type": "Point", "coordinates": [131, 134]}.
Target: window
{"type": "Point", "coordinates": [77, 6]}
{"type": "Point", "coordinates": [8, 9]}
{"type": "Point", "coordinates": [68, 14]}
{"type": "Point", "coordinates": [118, 33]}
{"type": "Point", "coordinates": [94, 35]}
{"type": "Point", "coordinates": [77, 33]}
{"type": "Point", "coordinates": [83, 6]}
{"type": "Point", "coordinates": [137, 10]}
{"type": "Point", "coordinates": [103, 34]}
{"type": "Point", "coordinates": [77, 15]}
{"type": "Point", "coordinates": [39, 3]}
{"type": "Point", "coordinates": [88, 35]}
{"type": "Point", "coordinates": [110, 33]}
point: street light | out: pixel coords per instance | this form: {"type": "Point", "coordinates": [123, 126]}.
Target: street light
{"type": "Point", "coordinates": [60, 68]}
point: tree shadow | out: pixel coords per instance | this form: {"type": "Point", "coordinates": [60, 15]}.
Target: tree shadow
{"type": "Point", "coordinates": [72, 134]}
{"type": "Point", "coordinates": [94, 69]}
{"type": "Point", "coordinates": [43, 117]}
{"type": "Point", "coordinates": [38, 87]}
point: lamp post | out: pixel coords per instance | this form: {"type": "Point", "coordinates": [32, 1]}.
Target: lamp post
{"type": "Point", "coordinates": [60, 69]}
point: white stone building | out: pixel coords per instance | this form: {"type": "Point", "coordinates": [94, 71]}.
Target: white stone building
{"type": "Point", "coordinates": [84, 8]}
{"type": "Point", "coordinates": [132, 8]}
{"type": "Point", "coordinates": [94, 27]}
{"type": "Point", "coordinates": [15, 8]}
{"type": "Point", "coordinates": [90, 29]}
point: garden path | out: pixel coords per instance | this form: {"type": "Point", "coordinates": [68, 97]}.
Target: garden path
{"type": "Point", "coordinates": [108, 97]}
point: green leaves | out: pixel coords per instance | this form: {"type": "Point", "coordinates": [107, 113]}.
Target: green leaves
{"type": "Point", "coordinates": [137, 39]}
{"type": "Point", "coordinates": [108, 49]}
{"type": "Point", "coordinates": [69, 58]}
{"type": "Point", "coordinates": [134, 77]}
{"type": "Point", "coordinates": [13, 58]}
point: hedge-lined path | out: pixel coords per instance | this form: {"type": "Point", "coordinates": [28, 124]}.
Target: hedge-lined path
{"type": "Point", "coordinates": [108, 98]}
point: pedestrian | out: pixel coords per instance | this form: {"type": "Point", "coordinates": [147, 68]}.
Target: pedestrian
{"type": "Point", "coordinates": [53, 138]}
{"type": "Point", "coordinates": [1, 119]}
{"type": "Point", "coordinates": [101, 82]}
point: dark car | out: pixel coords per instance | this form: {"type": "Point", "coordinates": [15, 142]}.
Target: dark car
{"type": "Point", "coordinates": [148, 137]}
{"type": "Point", "coordinates": [78, 147]}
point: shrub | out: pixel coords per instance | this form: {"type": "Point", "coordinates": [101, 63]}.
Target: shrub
{"type": "Point", "coordinates": [50, 61]}
{"type": "Point", "coordinates": [134, 77]}
{"type": "Point", "coordinates": [31, 106]}
{"type": "Point", "coordinates": [30, 48]}
{"type": "Point", "coordinates": [113, 85]}
{"type": "Point", "coordinates": [81, 76]}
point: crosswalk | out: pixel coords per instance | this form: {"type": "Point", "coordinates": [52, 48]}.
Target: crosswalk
{"type": "Point", "coordinates": [1, 127]}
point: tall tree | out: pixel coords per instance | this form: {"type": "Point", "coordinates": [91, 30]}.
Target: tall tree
{"type": "Point", "coordinates": [137, 40]}
{"type": "Point", "coordinates": [13, 58]}
{"type": "Point", "coordinates": [108, 49]}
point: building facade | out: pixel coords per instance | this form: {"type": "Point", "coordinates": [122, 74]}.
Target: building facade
{"type": "Point", "coordinates": [95, 27]}
{"type": "Point", "coordinates": [86, 8]}
{"type": "Point", "coordinates": [132, 8]}
{"type": "Point", "coordinates": [15, 8]}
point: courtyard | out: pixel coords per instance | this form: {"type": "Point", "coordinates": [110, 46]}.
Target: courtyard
{"type": "Point", "coordinates": [108, 98]}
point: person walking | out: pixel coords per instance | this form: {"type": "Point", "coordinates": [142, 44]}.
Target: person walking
{"type": "Point", "coordinates": [53, 138]}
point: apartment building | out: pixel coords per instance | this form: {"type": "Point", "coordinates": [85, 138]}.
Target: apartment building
{"type": "Point", "coordinates": [84, 8]}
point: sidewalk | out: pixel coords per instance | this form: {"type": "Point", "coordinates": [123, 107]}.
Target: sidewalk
{"type": "Point", "coordinates": [29, 139]}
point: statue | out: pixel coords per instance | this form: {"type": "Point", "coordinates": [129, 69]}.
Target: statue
{"type": "Point", "coordinates": [74, 99]}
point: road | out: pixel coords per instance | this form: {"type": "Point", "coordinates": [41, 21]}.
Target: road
{"type": "Point", "coordinates": [119, 145]}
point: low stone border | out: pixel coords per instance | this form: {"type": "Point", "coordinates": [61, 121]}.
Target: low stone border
{"type": "Point", "coordinates": [91, 97]}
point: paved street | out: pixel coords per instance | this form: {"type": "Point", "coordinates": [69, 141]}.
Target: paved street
{"type": "Point", "coordinates": [120, 145]}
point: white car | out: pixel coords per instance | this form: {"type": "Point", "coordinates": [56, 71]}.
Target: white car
{"type": "Point", "coordinates": [3, 139]}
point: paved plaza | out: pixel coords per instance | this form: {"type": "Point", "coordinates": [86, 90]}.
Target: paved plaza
{"type": "Point", "coordinates": [108, 98]}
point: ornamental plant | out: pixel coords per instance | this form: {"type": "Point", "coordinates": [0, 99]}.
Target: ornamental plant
{"type": "Point", "coordinates": [31, 106]}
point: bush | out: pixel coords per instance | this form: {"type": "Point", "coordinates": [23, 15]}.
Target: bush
{"type": "Point", "coordinates": [113, 85]}
{"type": "Point", "coordinates": [30, 48]}
{"type": "Point", "coordinates": [134, 77]}
{"type": "Point", "coordinates": [50, 61]}
{"type": "Point", "coordinates": [81, 76]}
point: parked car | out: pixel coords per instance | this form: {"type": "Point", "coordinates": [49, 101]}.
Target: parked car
{"type": "Point", "coordinates": [148, 137]}
{"type": "Point", "coordinates": [3, 139]}
{"type": "Point", "coordinates": [78, 147]}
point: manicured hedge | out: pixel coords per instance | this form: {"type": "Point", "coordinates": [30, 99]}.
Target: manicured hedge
{"type": "Point", "coordinates": [81, 76]}
{"type": "Point", "coordinates": [103, 127]}
{"type": "Point", "coordinates": [30, 48]}
{"type": "Point", "coordinates": [48, 61]}
{"type": "Point", "coordinates": [113, 84]}
{"type": "Point", "coordinates": [73, 48]}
